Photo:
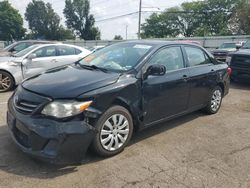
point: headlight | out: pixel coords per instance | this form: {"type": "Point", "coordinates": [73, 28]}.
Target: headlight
{"type": "Point", "coordinates": [228, 60]}
{"type": "Point", "coordinates": [63, 109]}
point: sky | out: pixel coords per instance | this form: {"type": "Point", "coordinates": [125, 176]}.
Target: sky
{"type": "Point", "coordinates": [102, 9]}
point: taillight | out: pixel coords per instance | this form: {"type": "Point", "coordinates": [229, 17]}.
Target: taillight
{"type": "Point", "coordinates": [229, 71]}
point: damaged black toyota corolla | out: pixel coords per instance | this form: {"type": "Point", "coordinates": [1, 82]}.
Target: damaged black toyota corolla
{"type": "Point", "coordinates": [98, 101]}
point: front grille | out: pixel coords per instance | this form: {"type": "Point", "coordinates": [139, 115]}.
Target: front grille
{"type": "Point", "coordinates": [220, 53]}
{"type": "Point", "coordinates": [28, 102]}
{"type": "Point", "coordinates": [26, 107]}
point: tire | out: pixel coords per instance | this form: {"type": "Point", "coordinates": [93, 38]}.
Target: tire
{"type": "Point", "coordinates": [112, 137]}
{"type": "Point", "coordinates": [215, 100]}
{"type": "Point", "coordinates": [6, 82]}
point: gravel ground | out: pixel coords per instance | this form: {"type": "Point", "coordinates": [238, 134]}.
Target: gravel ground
{"type": "Point", "coordinates": [192, 151]}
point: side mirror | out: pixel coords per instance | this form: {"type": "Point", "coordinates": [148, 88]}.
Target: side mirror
{"type": "Point", "coordinates": [31, 56]}
{"type": "Point", "coordinates": [238, 46]}
{"type": "Point", "coordinates": [217, 48]}
{"type": "Point", "coordinates": [156, 70]}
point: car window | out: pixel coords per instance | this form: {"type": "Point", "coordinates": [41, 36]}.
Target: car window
{"type": "Point", "coordinates": [65, 50]}
{"type": "Point", "coordinates": [170, 57]}
{"type": "Point", "coordinates": [78, 51]}
{"type": "Point", "coordinates": [19, 47]}
{"type": "Point", "coordinates": [196, 56]}
{"type": "Point", "coordinates": [46, 52]}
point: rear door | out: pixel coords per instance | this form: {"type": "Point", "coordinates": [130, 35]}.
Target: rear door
{"type": "Point", "coordinates": [46, 58]}
{"type": "Point", "coordinates": [202, 75]}
{"type": "Point", "coordinates": [167, 95]}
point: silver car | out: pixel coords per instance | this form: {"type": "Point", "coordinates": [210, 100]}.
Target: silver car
{"type": "Point", "coordinates": [36, 59]}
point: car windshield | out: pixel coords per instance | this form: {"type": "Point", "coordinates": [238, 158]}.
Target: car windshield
{"type": "Point", "coordinates": [119, 57]}
{"type": "Point", "coordinates": [246, 45]}
{"type": "Point", "coordinates": [25, 51]}
{"type": "Point", "coordinates": [228, 45]}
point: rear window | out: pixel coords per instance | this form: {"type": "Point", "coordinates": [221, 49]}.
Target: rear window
{"type": "Point", "coordinates": [66, 50]}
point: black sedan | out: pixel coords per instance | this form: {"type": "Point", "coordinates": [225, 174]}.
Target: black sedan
{"type": "Point", "coordinates": [99, 101]}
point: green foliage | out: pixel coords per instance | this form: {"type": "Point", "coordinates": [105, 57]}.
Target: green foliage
{"type": "Point", "coordinates": [241, 19]}
{"type": "Point", "coordinates": [197, 18]}
{"type": "Point", "coordinates": [11, 22]}
{"type": "Point", "coordinates": [80, 20]}
{"type": "Point", "coordinates": [44, 22]}
{"type": "Point", "coordinates": [161, 25]}
{"type": "Point", "coordinates": [118, 37]}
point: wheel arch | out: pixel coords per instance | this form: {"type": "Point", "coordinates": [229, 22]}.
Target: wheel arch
{"type": "Point", "coordinates": [222, 86]}
{"type": "Point", "coordinates": [121, 102]}
{"type": "Point", "coordinates": [3, 70]}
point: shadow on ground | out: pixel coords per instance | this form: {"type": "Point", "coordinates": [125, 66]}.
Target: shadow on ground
{"type": "Point", "coordinates": [12, 160]}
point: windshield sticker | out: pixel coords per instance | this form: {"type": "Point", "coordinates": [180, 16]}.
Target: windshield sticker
{"type": "Point", "coordinates": [89, 58]}
{"type": "Point", "coordinates": [141, 46]}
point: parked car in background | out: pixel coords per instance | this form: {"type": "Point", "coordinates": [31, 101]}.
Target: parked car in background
{"type": "Point", "coordinates": [20, 45]}
{"type": "Point", "coordinates": [221, 52]}
{"type": "Point", "coordinates": [95, 48]}
{"type": "Point", "coordinates": [239, 61]}
{"type": "Point", "coordinates": [36, 59]}
{"type": "Point", "coordinates": [190, 41]}
{"type": "Point", "coordinates": [101, 99]}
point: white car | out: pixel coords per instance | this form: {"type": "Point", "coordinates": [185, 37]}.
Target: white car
{"type": "Point", "coordinates": [36, 59]}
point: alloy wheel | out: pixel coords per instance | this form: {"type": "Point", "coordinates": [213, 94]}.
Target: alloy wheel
{"type": "Point", "coordinates": [5, 82]}
{"type": "Point", "coordinates": [216, 100]}
{"type": "Point", "coordinates": [114, 132]}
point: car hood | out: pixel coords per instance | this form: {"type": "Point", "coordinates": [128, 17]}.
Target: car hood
{"type": "Point", "coordinates": [6, 59]}
{"type": "Point", "coordinates": [223, 50]}
{"type": "Point", "coordinates": [10, 60]}
{"type": "Point", "coordinates": [243, 52]}
{"type": "Point", "coordinates": [4, 53]}
{"type": "Point", "coordinates": [69, 82]}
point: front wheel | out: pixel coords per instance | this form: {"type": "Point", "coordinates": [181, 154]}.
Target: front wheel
{"type": "Point", "coordinates": [6, 82]}
{"type": "Point", "coordinates": [215, 100]}
{"type": "Point", "coordinates": [115, 128]}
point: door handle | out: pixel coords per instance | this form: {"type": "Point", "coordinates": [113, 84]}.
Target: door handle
{"type": "Point", "coordinates": [54, 60]}
{"type": "Point", "coordinates": [185, 77]}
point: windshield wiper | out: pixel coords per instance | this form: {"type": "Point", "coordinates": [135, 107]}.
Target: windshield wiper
{"type": "Point", "coordinates": [92, 67]}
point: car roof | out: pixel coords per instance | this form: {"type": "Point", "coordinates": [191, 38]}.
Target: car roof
{"type": "Point", "coordinates": [60, 44]}
{"type": "Point", "coordinates": [159, 43]}
{"type": "Point", "coordinates": [229, 42]}
{"type": "Point", "coordinates": [36, 41]}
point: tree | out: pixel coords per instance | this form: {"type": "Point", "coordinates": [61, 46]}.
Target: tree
{"type": "Point", "coordinates": [240, 23]}
{"type": "Point", "coordinates": [118, 37]}
{"type": "Point", "coordinates": [219, 12]}
{"type": "Point", "coordinates": [197, 18]}
{"type": "Point", "coordinates": [44, 22]}
{"type": "Point", "coordinates": [80, 20]}
{"type": "Point", "coordinates": [161, 25]}
{"type": "Point", "coordinates": [11, 23]}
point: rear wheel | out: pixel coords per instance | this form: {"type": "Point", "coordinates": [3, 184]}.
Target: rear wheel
{"type": "Point", "coordinates": [6, 81]}
{"type": "Point", "coordinates": [215, 100]}
{"type": "Point", "coordinates": [115, 128]}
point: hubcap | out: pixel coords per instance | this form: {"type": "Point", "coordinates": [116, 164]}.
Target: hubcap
{"type": "Point", "coordinates": [216, 100]}
{"type": "Point", "coordinates": [114, 132]}
{"type": "Point", "coordinates": [5, 82]}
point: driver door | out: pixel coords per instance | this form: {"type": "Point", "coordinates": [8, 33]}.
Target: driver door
{"type": "Point", "coordinates": [167, 95]}
{"type": "Point", "coordinates": [46, 57]}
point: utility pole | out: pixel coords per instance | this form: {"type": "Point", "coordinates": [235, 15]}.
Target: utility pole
{"type": "Point", "coordinates": [139, 24]}
{"type": "Point", "coordinates": [126, 32]}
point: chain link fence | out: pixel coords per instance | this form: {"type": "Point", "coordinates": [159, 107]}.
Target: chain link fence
{"type": "Point", "coordinates": [207, 42]}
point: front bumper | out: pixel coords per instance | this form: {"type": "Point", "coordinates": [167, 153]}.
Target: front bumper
{"type": "Point", "coordinates": [50, 140]}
